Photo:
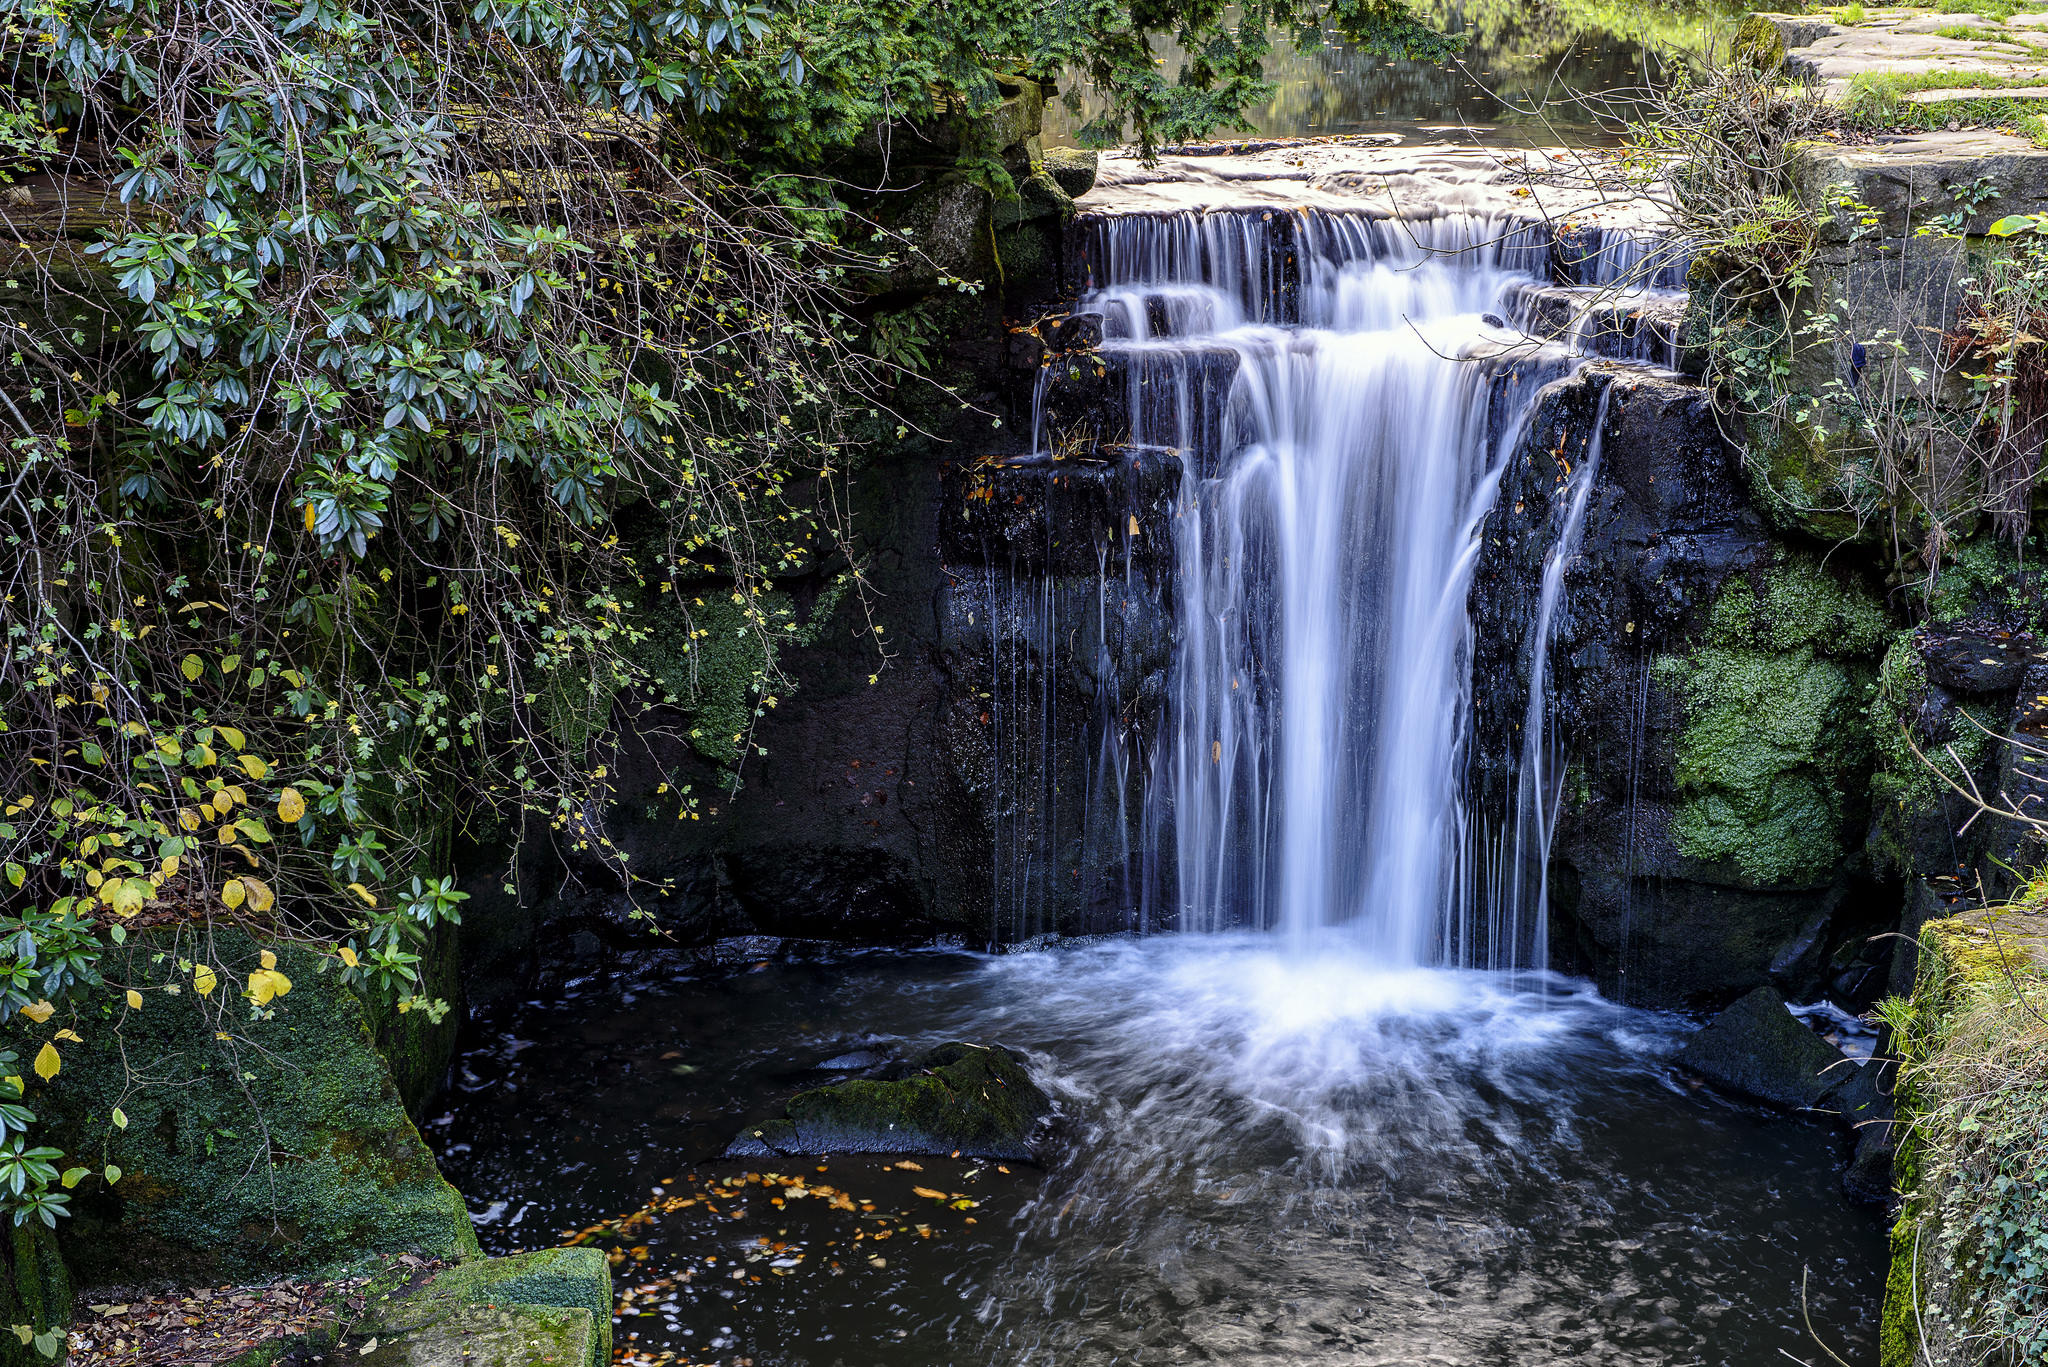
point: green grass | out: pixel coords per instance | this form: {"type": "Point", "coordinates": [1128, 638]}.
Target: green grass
{"type": "Point", "coordinates": [1879, 99]}
{"type": "Point", "coordinates": [1996, 10]}
{"type": "Point", "coordinates": [1849, 14]}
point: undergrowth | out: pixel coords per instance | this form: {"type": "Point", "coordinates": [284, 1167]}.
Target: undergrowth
{"type": "Point", "coordinates": [1974, 1074]}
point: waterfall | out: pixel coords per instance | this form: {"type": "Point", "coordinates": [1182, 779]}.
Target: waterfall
{"type": "Point", "coordinates": [1309, 779]}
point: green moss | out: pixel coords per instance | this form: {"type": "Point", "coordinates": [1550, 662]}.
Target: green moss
{"type": "Point", "coordinates": [1797, 475]}
{"type": "Point", "coordinates": [562, 1298]}
{"type": "Point", "coordinates": [252, 1146]}
{"type": "Point", "coordinates": [1798, 602]}
{"type": "Point", "coordinates": [35, 1291]}
{"type": "Point", "coordinates": [1982, 575]}
{"type": "Point", "coordinates": [1772, 762]}
{"type": "Point", "coordinates": [1759, 44]}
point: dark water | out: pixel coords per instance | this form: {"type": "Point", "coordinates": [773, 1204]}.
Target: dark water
{"type": "Point", "coordinates": [1530, 74]}
{"type": "Point", "coordinates": [1266, 1156]}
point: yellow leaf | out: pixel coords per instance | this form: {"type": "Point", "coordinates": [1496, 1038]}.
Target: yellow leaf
{"type": "Point", "coordinates": [71, 1035]}
{"type": "Point", "coordinates": [229, 733]}
{"type": "Point", "coordinates": [38, 1011]}
{"type": "Point", "coordinates": [369, 898]}
{"type": "Point", "coordinates": [232, 892]}
{"type": "Point", "coordinates": [227, 835]}
{"type": "Point", "coordinates": [48, 1062]}
{"type": "Point", "coordinates": [204, 980]}
{"type": "Point", "coordinates": [191, 667]}
{"type": "Point", "coordinates": [128, 895]}
{"type": "Point", "coordinates": [309, 517]}
{"type": "Point", "coordinates": [261, 897]}
{"type": "Point", "coordinates": [266, 983]}
{"type": "Point", "coordinates": [171, 862]}
{"type": "Point", "coordinates": [929, 1194]}
{"type": "Point", "coordinates": [267, 959]}
{"type": "Point", "coordinates": [188, 819]}
{"type": "Point", "coordinates": [252, 765]}
{"type": "Point", "coordinates": [134, 1000]}
{"type": "Point", "coordinates": [290, 806]}
{"type": "Point", "coordinates": [348, 956]}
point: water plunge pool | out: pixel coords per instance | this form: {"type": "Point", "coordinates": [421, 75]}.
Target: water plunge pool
{"type": "Point", "coordinates": [1268, 1152]}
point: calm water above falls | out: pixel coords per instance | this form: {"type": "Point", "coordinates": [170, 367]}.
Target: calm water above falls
{"type": "Point", "coordinates": [1264, 1158]}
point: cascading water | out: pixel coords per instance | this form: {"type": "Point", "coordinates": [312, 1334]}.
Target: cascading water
{"type": "Point", "coordinates": [1325, 553]}
{"type": "Point", "coordinates": [1250, 622]}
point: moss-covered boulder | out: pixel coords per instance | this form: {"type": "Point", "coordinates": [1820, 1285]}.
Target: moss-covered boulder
{"type": "Point", "coordinates": [549, 1308]}
{"type": "Point", "coordinates": [1073, 168]}
{"type": "Point", "coordinates": [256, 1139]}
{"type": "Point", "coordinates": [35, 1294]}
{"type": "Point", "coordinates": [970, 1098]}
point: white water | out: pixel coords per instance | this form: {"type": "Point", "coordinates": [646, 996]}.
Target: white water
{"type": "Point", "coordinates": [1325, 551]}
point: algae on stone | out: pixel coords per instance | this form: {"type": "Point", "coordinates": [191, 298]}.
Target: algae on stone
{"type": "Point", "coordinates": [548, 1308]}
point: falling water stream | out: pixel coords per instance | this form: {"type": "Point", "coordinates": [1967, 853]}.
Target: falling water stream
{"type": "Point", "coordinates": [1354, 1119]}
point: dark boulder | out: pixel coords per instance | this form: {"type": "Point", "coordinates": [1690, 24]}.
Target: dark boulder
{"type": "Point", "coordinates": [1758, 1048]}
{"type": "Point", "coordinates": [1974, 657]}
{"type": "Point", "coordinates": [1072, 168]}
{"type": "Point", "coordinates": [968, 1098]}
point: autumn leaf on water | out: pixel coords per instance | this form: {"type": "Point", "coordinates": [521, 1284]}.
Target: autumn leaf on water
{"type": "Point", "coordinates": [929, 1194]}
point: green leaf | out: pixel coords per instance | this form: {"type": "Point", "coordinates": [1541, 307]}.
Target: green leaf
{"type": "Point", "coordinates": [191, 667]}
{"type": "Point", "coordinates": [2014, 224]}
{"type": "Point", "coordinates": [113, 1174]}
{"type": "Point", "coordinates": [120, 1120]}
{"type": "Point", "coordinates": [73, 1176]}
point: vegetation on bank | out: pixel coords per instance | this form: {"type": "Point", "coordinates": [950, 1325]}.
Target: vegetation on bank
{"type": "Point", "coordinates": [1971, 1246]}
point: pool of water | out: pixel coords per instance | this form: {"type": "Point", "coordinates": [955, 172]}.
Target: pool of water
{"type": "Point", "coordinates": [1266, 1153]}
{"type": "Point", "coordinates": [1563, 72]}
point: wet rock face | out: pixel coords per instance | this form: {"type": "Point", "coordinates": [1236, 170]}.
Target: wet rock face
{"type": "Point", "coordinates": [1710, 688]}
{"type": "Point", "coordinates": [972, 1099]}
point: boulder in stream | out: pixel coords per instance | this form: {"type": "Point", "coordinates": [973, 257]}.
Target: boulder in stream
{"type": "Point", "coordinates": [970, 1098]}
{"type": "Point", "coordinates": [1758, 1048]}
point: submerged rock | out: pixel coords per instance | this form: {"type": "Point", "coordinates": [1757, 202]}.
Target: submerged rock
{"type": "Point", "coordinates": [1756, 1047]}
{"type": "Point", "coordinates": [976, 1099]}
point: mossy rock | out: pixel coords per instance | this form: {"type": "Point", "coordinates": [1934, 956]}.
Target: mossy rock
{"type": "Point", "coordinates": [548, 1308]}
{"type": "Point", "coordinates": [35, 1290]}
{"type": "Point", "coordinates": [1073, 168]}
{"type": "Point", "coordinates": [1759, 43]}
{"type": "Point", "coordinates": [252, 1146]}
{"type": "Point", "coordinates": [1773, 765]}
{"type": "Point", "coordinates": [974, 1099]}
